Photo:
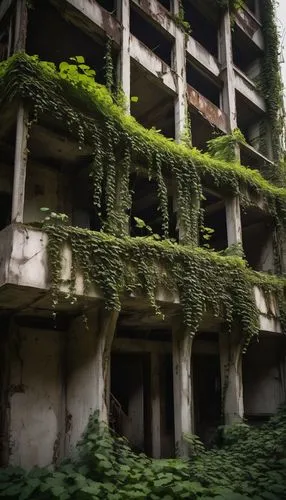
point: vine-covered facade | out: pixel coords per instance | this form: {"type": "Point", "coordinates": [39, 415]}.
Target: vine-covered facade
{"type": "Point", "coordinates": [142, 222]}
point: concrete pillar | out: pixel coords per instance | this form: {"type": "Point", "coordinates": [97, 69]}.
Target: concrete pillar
{"type": "Point", "coordinates": [20, 164]}
{"type": "Point", "coordinates": [227, 71]}
{"type": "Point", "coordinates": [88, 361]}
{"type": "Point", "coordinates": [233, 221]}
{"type": "Point", "coordinates": [155, 405]}
{"type": "Point", "coordinates": [21, 21]}
{"type": "Point", "coordinates": [179, 66]}
{"type": "Point", "coordinates": [123, 16]}
{"type": "Point", "coordinates": [182, 350]}
{"type": "Point", "coordinates": [231, 377]}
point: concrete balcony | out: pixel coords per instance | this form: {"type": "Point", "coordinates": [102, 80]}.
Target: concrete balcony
{"type": "Point", "coordinates": [25, 283]}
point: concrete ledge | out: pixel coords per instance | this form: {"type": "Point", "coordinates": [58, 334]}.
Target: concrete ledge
{"type": "Point", "coordinates": [247, 22]}
{"type": "Point", "coordinates": [24, 277]}
{"type": "Point", "coordinates": [247, 88]}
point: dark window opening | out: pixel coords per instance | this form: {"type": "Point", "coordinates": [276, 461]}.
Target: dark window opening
{"type": "Point", "coordinates": [145, 206]}
{"type": "Point", "coordinates": [202, 84]}
{"type": "Point", "coordinates": [207, 395]}
{"type": "Point", "coordinates": [248, 121]}
{"type": "Point", "coordinates": [257, 239]}
{"type": "Point", "coordinates": [54, 39]}
{"type": "Point", "coordinates": [165, 3]}
{"type": "Point", "coordinates": [130, 392]}
{"type": "Point", "coordinates": [5, 209]}
{"type": "Point", "coordinates": [109, 5]}
{"type": "Point", "coordinates": [202, 29]}
{"type": "Point", "coordinates": [4, 42]}
{"type": "Point", "coordinates": [250, 4]}
{"type": "Point", "coordinates": [246, 55]}
{"type": "Point", "coordinates": [85, 214]}
{"type": "Point", "coordinates": [148, 34]}
{"type": "Point", "coordinates": [214, 231]}
{"type": "Point", "coordinates": [154, 107]}
{"type": "Point", "coordinates": [202, 129]}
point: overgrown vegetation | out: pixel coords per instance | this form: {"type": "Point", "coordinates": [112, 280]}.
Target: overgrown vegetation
{"type": "Point", "coordinates": [119, 144]}
{"type": "Point", "coordinates": [247, 463]}
{"type": "Point", "coordinates": [270, 82]}
{"type": "Point", "coordinates": [203, 280]}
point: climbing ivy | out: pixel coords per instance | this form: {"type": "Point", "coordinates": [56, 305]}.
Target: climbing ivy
{"type": "Point", "coordinates": [270, 80]}
{"type": "Point", "coordinates": [109, 260]}
{"type": "Point", "coordinates": [246, 463]}
{"type": "Point", "coordinates": [201, 279]}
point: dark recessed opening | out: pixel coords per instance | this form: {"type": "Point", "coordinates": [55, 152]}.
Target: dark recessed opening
{"type": "Point", "coordinates": [245, 52]}
{"type": "Point", "coordinates": [109, 5]}
{"type": "Point", "coordinates": [257, 230]}
{"type": "Point", "coordinates": [54, 39]}
{"type": "Point", "coordinates": [154, 106]}
{"type": "Point", "coordinates": [145, 206]}
{"type": "Point", "coordinates": [5, 209]}
{"type": "Point", "coordinates": [248, 121]}
{"type": "Point", "coordinates": [250, 4]}
{"type": "Point", "coordinates": [214, 232]}
{"type": "Point", "coordinates": [202, 29]}
{"type": "Point", "coordinates": [165, 3]}
{"type": "Point", "coordinates": [143, 29]}
{"type": "Point", "coordinates": [203, 84]}
{"type": "Point", "coordinates": [202, 130]}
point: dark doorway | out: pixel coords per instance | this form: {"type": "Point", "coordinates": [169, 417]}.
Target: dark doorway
{"type": "Point", "coordinates": [207, 395]}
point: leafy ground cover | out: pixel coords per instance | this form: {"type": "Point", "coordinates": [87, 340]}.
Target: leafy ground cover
{"type": "Point", "coordinates": [246, 462]}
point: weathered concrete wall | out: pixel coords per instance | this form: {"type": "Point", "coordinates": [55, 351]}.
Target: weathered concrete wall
{"type": "Point", "coordinates": [36, 397]}
{"type": "Point", "coordinates": [264, 376]}
{"type": "Point", "coordinates": [81, 380]}
{"type": "Point", "coordinates": [42, 186]}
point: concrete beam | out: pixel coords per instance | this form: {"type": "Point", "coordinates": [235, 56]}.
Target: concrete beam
{"type": "Point", "coordinates": [207, 109]}
{"type": "Point", "coordinates": [153, 64]}
{"type": "Point", "coordinates": [245, 21]}
{"type": "Point", "coordinates": [248, 90]}
{"type": "Point", "coordinates": [197, 52]}
{"type": "Point", "coordinates": [88, 14]}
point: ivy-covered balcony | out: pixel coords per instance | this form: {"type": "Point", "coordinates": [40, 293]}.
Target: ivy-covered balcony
{"type": "Point", "coordinates": [132, 175]}
{"type": "Point", "coordinates": [62, 269]}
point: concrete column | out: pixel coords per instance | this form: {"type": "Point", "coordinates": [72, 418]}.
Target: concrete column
{"type": "Point", "coordinates": [179, 65]}
{"type": "Point", "coordinates": [227, 71]}
{"type": "Point", "coordinates": [155, 405]}
{"type": "Point", "coordinates": [123, 16]}
{"type": "Point", "coordinates": [21, 21]}
{"type": "Point", "coordinates": [233, 221]}
{"type": "Point", "coordinates": [182, 350]}
{"type": "Point", "coordinates": [20, 164]}
{"type": "Point", "coordinates": [231, 377]}
{"type": "Point", "coordinates": [88, 361]}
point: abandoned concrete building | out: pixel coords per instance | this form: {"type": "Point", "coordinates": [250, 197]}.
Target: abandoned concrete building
{"type": "Point", "coordinates": [154, 344]}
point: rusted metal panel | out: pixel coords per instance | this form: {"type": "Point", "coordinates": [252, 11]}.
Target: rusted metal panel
{"type": "Point", "coordinates": [209, 111]}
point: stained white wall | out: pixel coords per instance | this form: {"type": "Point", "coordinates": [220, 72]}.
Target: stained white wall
{"type": "Point", "coordinates": [37, 397]}
{"type": "Point", "coordinates": [264, 376]}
